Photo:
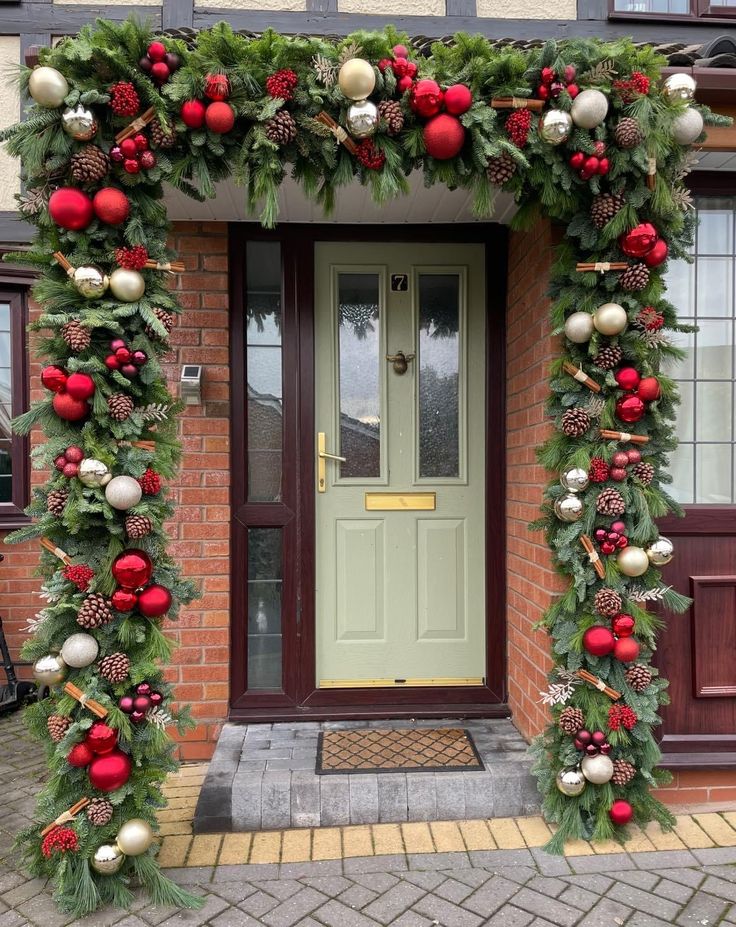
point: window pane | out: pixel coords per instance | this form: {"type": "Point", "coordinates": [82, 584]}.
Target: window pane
{"type": "Point", "coordinates": [713, 411]}
{"type": "Point", "coordinates": [439, 375]}
{"type": "Point", "coordinates": [715, 287]}
{"type": "Point", "coordinates": [681, 287]}
{"type": "Point", "coordinates": [713, 473]}
{"type": "Point", "coordinates": [681, 7]}
{"type": "Point", "coordinates": [265, 581]}
{"type": "Point", "coordinates": [682, 470]}
{"type": "Point", "coordinates": [685, 421]}
{"type": "Point", "coordinates": [714, 353]}
{"type": "Point", "coordinates": [6, 406]}
{"type": "Point", "coordinates": [360, 374]}
{"type": "Point", "coordinates": [715, 231]}
{"type": "Point", "coordinates": [684, 369]}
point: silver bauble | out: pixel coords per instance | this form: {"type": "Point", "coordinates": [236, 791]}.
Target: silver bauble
{"type": "Point", "coordinates": [679, 88]}
{"type": "Point", "coordinates": [661, 551]}
{"type": "Point", "coordinates": [570, 781]}
{"type": "Point", "coordinates": [127, 285]}
{"type": "Point", "coordinates": [79, 650]}
{"type": "Point", "coordinates": [48, 87]}
{"type": "Point", "coordinates": [90, 281]}
{"type": "Point", "coordinates": [610, 319]}
{"type": "Point", "coordinates": [79, 123]}
{"type": "Point", "coordinates": [357, 79]}
{"type": "Point", "coordinates": [597, 769]}
{"type": "Point", "coordinates": [569, 507]}
{"type": "Point", "coordinates": [49, 670]}
{"type": "Point", "coordinates": [362, 118]}
{"type": "Point", "coordinates": [93, 472]}
{"type": "Point", "coordinates": [555, 126]}
{"type": "Point", "coordinates": [589, 109]}
{"type": "Point", "coordinates": [123, 492]}
{"type": "Point", "coordinates": [579, 327]}
{"type": "Point", "coordinates": [135, 837]}
{"type": "Point", "coordinates": [632, 561]}
{"type": "Point", "coordinates": [107, 859]}
{"type": "Point", "coordinates": [687, 127]}
{"type": "Point", "coordinates": [575, 480]}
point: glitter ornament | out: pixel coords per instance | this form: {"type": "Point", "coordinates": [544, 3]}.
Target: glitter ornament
{"type": "Point", "coordinates": [444, 136]}
{"type": "Point", "coordinates": [687, 127]}
{"type": "Point", "coordinates": [220, 118]}
{"type": "Point", "coordinates": [123, 492]}
{"type": "Point", "coordinates": [579, 327]}
{"type": "Point", "coordinates": [150, 482]}
{"type": "Point", "coordinates": [70, 409]}
{"type": "Point", "coordinates": [111, 206]}
{"type": "Point", "coordinates": [80, 650]}
{"type": "Point", "coordinates": [216, 87]}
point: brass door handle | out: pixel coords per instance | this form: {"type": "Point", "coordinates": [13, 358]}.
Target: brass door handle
{"type": "Point", "coordinates": [325, 456]}
{"type": "Point", "coordinates": [400, 361]}
{"type": "Point", "coordinates": [322, 456]}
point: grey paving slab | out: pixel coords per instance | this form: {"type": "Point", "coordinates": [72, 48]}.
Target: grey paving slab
{"type": "Point", "coordinates": [511, 916]}
{"type": "Point", "coordinates": [293, 910]}
{"type": "Point", "coordinates": [394, 902]}
{"type": "Point", "coordinates": [446, 913]}
{"type": "Point", "coordinates": [639, 900]}
{"type": "Point", "coordinates": [701, 909]}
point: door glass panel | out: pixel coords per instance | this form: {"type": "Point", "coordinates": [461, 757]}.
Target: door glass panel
{"type": "Point", "coordinates": [263, 366]}
{"type": "Point", "coordinates": [6, 412]}
{"type": "Point", "coordinates": [360, 365]}
{"type": "Point", "coordinates": [265, 581]}
{"type": "Point", "coordinates": [439, 375]}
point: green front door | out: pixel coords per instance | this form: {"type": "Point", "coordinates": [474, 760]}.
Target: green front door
{"type": "Point", "coordinates": [401, 521]}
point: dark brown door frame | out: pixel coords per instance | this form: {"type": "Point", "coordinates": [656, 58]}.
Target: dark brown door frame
{"type": "Point", "coordinates": [295, 514]}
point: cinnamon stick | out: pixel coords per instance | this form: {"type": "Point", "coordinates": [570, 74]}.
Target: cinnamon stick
{"type": "Point", "coordinates": [651, 173]}
{"type": "Point", "coordinates": [593, 556]}
{"type": "Point", "coordinates": [598, 683]}
{"type": "Point", "coordinates": [173, 267]}
{"type": "Point", "coordinates": [66, 816]}
{"type": "Point", "coordinates": [85, 701]}
{"type": "Point", "coordinates": [517, 103]}
{"type": "Point", "coordinates": [136, 125]}
{"type": "Point", "coordinates": [56, 551]}
{"type": "Point", "coordinates": [600, 266]}
{"type": "Point", "coordinates": [577, 373]}
{"type": "Point", "coordinates": [337, 130]}
{"type": "Point", "coordinates": [64, 263]}
{"type": "Point", "coordinates": [623, 436]}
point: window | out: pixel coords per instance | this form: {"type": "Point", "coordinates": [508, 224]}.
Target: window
{"type": "Point", "coordinates": [14, 468]}
{"type": "Point", "coordinates": [662, 8]}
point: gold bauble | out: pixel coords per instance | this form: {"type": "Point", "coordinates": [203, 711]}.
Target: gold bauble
{"type": "Point", "coordinates": [570, 781]}
{"type": "Point", "coordinates": [108, 859]}
{"type": "Point", "coordinates": [579, 327]}
{"type": "Point", "coordinates": [48, 87]}
{"type": "Point", "coordinates": [135, 837]}
{"type": "Point", "coordinates": [79, 123]}
{"type": "Point", "coordinates": [127, 285]}
{"type": "Point", "coordinates": [357, 79]}
{"type": "Point", "coordinates": [50, 670]}
{"type": "Point", "coordinates": [93, 472]}
{"type": "Point", "coordinates": [589, 109]}
{"type": "Point", "coordinates": [569, 507]}
{"type": "Point", "coordinates": [90, 281]}
{"type": "Point", "coordinates": [79, 650]}
{"type": "Point", "coordinates": [597, 769]}
{"type": "Point", "coordinates": [632, 561]}
{"type": "Point", "coordinates": [661, 551]}
{"type": "Point", "coordinates": [687, 127]}
{"type": "Point", "coordinates": [362, 118]}
{"type": "Point", "coordinates": [679, 88]}
{"type": "Point", "coordinates": [610, 319]}
{"type": "Point", "coordinates": [555, 126]}
{"type": "Point", "coordinates": [575, 479]}
{"type": "Point", "coordinates": [123, 492]}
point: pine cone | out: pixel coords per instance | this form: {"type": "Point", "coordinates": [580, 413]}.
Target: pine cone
{"type": "Point", "coordinates": [575, 422]}
{"type": "Point", "coordinates": [604, 207]}
{"type": "Point", "coordinates": [634, 278]}
{"type": "Point", "coordinates": [57, 726]}
{"type": "Point", "coordinates": [610, 502]}
{"type": "Point", "coordinates": [94, 612]}
{"type": "Point", "coordinates": [608, 357]}
{"type": "Point", "coordinates": [99, 812]}
{"type": "Point", "coordinates": [628, 133]}
{"type": "Point", "coordinates": [644, 472]}
{"type": "Point", "coordinates": [115, 667]}
{"type": "Point", "coordinates": [638, 677]}
{"type": "Point", "coordinates": [120, 406]}
{"type": "Point", "coordinates": [56, 500]}
{"type": "Point", "coordinates": [623, 772]}
{"type": "Point", "coordinates": [608, 602]}
{"type": "Point", "coordinates": [138, 526]}
{"type": "Point", "coordinates": [160, 137]}
{"type": "Point", "coordinates": [76, 335]}
{"type": "Point", "coordinates": [501, 168]}
{"type": "Point", "coordinates": [166, 319]}
{"type": "Point", "coordinates": [391, 113]}
{"type": "Point", "coordinates": [281, 128]}
{"type": "Point", "coordinates": [90, 164]}
{"type": "Point", "coordinates": [571, 720]}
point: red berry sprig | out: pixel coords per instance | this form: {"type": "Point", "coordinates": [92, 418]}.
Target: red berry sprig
{"type": "Point", "coordinates": [631, 88]}
{"type": "Point", "coordinates": [649, 319]}
{"type": "Point", "coordinates": [598, 471]}
{"type": "Point", "coordinates": [150, 482]}
{"type": "Point", "coordinates": [621, 716]}
{"type": "Point", "coordinates": [60, 840]}
{"type": "Point", "coordinates": [282, 84]}
{"type": "Point", "coordinates": [124, 99]}
{"type": "Point", "coordinates": [133, 258]}
{"type": "Point", "coordinates": [369, 156]}
{"type": "Point", "coordinates": [518, 125]}
{"type": "Point", "coordinates": [79, 574]}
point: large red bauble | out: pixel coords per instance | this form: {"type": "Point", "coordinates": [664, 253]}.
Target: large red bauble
{"type": "Point", "coordinates": [192, 114]}
{"type": "Point", "coordinates": [621, 812]}
{"type": "Point", "coordinates": [623, 625]}
{"type": "Point", "coordinates": [216, 87]}
{"type": "Point", "coordinates": [101, 738]}
{"type": "Point", "coordinates": [69, 408]}
{"type": "Point", "coordinates": [74, 454]}
{"type": "Point", "coordinates": [80, 755]}
{"type": "Point", "coordinates": [54, 378]}
{"type": "Point", "coordinates": [626, 649]}
{"type": "Point", "coordinates": [154, 601]}
{"type": "Point", "coordinates": [80, 386]}
{"type": "Point", "coordinates": [156, 51]}
{"type": "Point", "coordinates": [658, 254]}
{"type": "Point", "coordinates": [458, 99]}
{"type": "Point", "coordinates": [111, 205]}
{"type": "Point", "coordinates": [141, 703]}
{"type": "Point", "coordinates": [220, 117]}
{"type": "Point", "coordinates": [426, 98]}
{"type": "Point", "coordinates": [110, 771]}
{"type": "Point", "coordinates": [444, 136]}
{"type": "Point", "coordinates": [628, 378]}
{"type": "Point", "coordinates": [160, 72]}
{"type": "Point", "coordinates": [132, 569]}
{"type": "Point", "coordinates": [71, 209]}
{"type": "Point", "coordinates": [123, 600]}
{"type": "Point", "coordinates": [630, 409]}
{"type": "Point", "coordinates": [648, 389]}
{"type": "Point", "coordinates": [598, 640]}
{"type": "Point", "coordinates": [639, 241]}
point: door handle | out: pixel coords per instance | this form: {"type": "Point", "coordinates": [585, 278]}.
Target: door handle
{"type": "Point", "coordinates": [327, 456]}
{"type": "Point", "coordinates": [322, 456]}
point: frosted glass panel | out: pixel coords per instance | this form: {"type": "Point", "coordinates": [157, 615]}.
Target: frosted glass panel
{"type": "Point", "coordinates": [265, 581]}
{"type": "Point", "coordinates": [715, 287]}
{"type": "Point", "coordinates": [713, 412]}
{"type": "Point", "coordinates": [685, 422]}
{"type": "Point", "coordinates": [6, 414]}
{"type": "Point", "coordinates": [682, 471]}
{"type": "Point", "coordinates": [713, 473]}
{"type": "Point", "coordinates": [715, 350]}
{"type": "Point", "coordinates": [715, 234]}
{"type": "Point", "coordinates": [681, 287]}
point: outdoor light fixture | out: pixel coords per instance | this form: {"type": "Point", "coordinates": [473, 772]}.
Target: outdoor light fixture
{"type": "Point", "coordinates": [191, 384]}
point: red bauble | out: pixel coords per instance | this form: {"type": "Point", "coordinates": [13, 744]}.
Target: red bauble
{"type": "Point", "coordinates": [604, 166]}
{"type": "Point", "coordinates": [60, 462]}
{"type": "Point", "coordinates": [74, 454]}
{"type": "Point", "coordinates": [444, 137]}
{"type": "Point", "coordinates": [220, 117]}
{"type": "Point", "coordinates": [148, 160]}
{"type": "Point", "coordinates": [628, 378]}
{"type": "Point", "coordinates": [69, 408]}
{"type": "Point", "coordinates": [404, 83]}
{"type": "Point", "coordinates": [156, 699]}
{"type": "Point", "coordinates": [160, 72]}
{"type": "Point", "coordinates": [623, 625]}
{"type": "Point", "coordinates": [141, 142]}
{"type": "Point", "coordinates": [648, 389]}
{"type": "Point", "coordinates": [577, 160]}
{"type": "Point", "coordinates": [141, 703]}
{"type": "Point", "coordinates": [156, 51]}
{"type": "Point", "coordinates": [192, 114]}
{"type": "Point", "coordinates": [70, 209]}
{"type": "Point", "coordinates": [125, 704]}
{"type": "Point", "coordinates": [639, 241]}
{"type": "Point", "coordinates": [128, 148]}
{"type": "Point", "coordinates": [80, 386]}
{"type": "Point", "coordinates": [216, 87]}
{"type": "Point", "coordinates": [458, 99]}
{"type": "Point", "coordinates": [70, 470]}
{"type": "Point", "coordinates": [548, 75]}
{"type": "Point", "coordinates": [543, 92]}
{"type": "Point", "coordinates": [111, 205]}
{"type": "Point", "coordinates": [123, 355]}
{"type": "Point", "coordinates": [400, 51]}
{"type": "Point", "coordinates": [101, 738]}
{"type": "Point", "coordinates": [573, 90]}
{"type": "Point", "coordinates": [110, 771]}
{"type": "Point", "coordinates": [621, 812]}
{"type": "Point", "coordinates": [634, 455]}
{"type": "Point", "coordinates": [154, 601]}
{"type": "Point", "coordinates": [132, 569]}
{"type": "Point", "coordinates": [591, 164]}
{"type": "Point", "coordinates": [658, 254]}
{"type": "Point", "coordinates": [54, 378]}
{"type": "Point", "coordinates": [80, 755]}
{"type": "Point", "coordinates": [426, 98]}
{"type": "Point", "coordinates": [626, 649]}
{"type": "Point", "coordinates": [598, 640]}
{"type": "Point", "coordinates": [131, 166]}
{"type": "Point", "coordinates": [123, 600]}
{"type": "Point", "coordinates": [112, 363]}
{"type": "Point", "coordinates": [630, 409]}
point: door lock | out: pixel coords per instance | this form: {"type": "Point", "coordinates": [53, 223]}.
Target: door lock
{"type": "Point", "coordinates": [400, 361]}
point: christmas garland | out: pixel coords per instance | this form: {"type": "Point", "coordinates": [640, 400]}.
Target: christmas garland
{"type": "Point", "coordinates": [581, 132]}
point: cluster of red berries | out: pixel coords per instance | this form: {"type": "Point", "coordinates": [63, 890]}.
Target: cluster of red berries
{"type": "Point", "coordinates": [124, 99]}
{"type": "Point", "coordinates": [60, 840]}
{"type": "Point", "coordinates": [123, 359]}
{"type": "Point", "coordinates": [621, 716]}
{"type": "Point", "coordinates": [134, 154]}
{"type": "Point", "coordinates": [79, 574]}
{"type": "Point", "coordinates": [159, 63]}
{"type": "Point", "coordinates": [612, 539]}
{"type": "Point", "coordinates": [404, 70]}
{"type": "Point", "coordinates": [282, 84]}
{"type": "Point", "coordinates": [592, 743]}
{"type": "Point", "coordinates": [68, 462]}
{"type": "Point", "coordinates": [369, 156]}
{"type": "Point", "coordinates": [600, 471]}
{"type": "Point", "coordinates": [553, 83]}
{"type": "Point", "coordinates": [150, 482]}
{"type": "Point", "coordinates": [649, 319]}
{"type": "Point", "coordinates": [518, 125]}
{"type": "Point", "coordinates": [133, 258]}
{"type": "Point", "coordinates": [588, 165]}
{"type": "Point", "coordinates": [632, 87]}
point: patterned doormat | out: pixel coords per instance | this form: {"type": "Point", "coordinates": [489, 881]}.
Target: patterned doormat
{"type": "Point", "coordinates": [414, 750]}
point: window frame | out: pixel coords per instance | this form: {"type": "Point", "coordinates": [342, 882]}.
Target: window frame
{"type": "Point", "coordinates": [700, 11]}
{"type": "Point", "coordinates": [12, 514]}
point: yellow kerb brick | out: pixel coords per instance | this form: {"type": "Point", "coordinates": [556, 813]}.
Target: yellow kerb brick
{"type": "Point", "coordinates": [506, 834]}
{"type": "Point", "coordinates": [387, 839]}
{"type": "Point", "coordinates": [356, 841]}
{"type": "Point", "coordinates": [691, 834]}
{"type": "Point", "coordinates": [204, 849]}
{"type": "Point", "coordinates": [266, 847]}
{"type": "Point", "coordinates": [717, 828]}
{"type": "Point", "coordinates": [327, 843]}
{"type": "Point", "coordinates": [638, 842]}
{"type": "Point", "coordinates": [447, 837]}
{"type": "Point", "coordinates": [173, 851]}
{"type": "Point", "coordinates": [168, 828]}
{"type": "Point", "coordinates": [607, 846]}
{"type": "Point", "coordinates": [182, 804]}
{"type": "Point", "coordinates": [173, 814]}
{"type": "Point", "coordinates": [578, 848]}
{"type": "Point", "coordinates": [534, 831]}
{"type": "Point", "coordinates": [417, 837]}
{"type": "Point", "coordinates": [663, 840]}
{"type": "Point", "coordinates": [181, 791]}
{"type": "Point", "coordinates": [476, 835]}
{"type": "Point", "coordinates": [296, 846]}
{"type": "Point", "coordinates": [234, 849]}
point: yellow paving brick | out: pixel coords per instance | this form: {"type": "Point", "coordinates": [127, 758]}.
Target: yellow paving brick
{"type": "Point", "coordinates": [578, 848]}
{"type": "Point", "coordinates": [730, 816]}
{"type": "Point", "coordinates": [204, 850]}
{"type": "Point", "coordinates": [167, 828]}
{"type": "Point", "coordinates": [266, 847]}
{"type": "Point", "coordinates": [356, 841]}
{"type": "Point", "coordinates": [173, 851]}
{"type": "Point", "coordinates": [717, 828]}
{"type": "Point", "coordinates": [607, 846]}
{"type": "Point", "coordinates": [183, 804]}
{"type": "Point", "coordinates": [663, 840]}
{"type": "Point", "coordinates": [326, 843]}
{"type": "Point", "coordinates": [387, 839]}
{"type": "Point", "coordinates": [173, 814]}
{"type": "Point", "coordinates": [447, 837]}
{"type": "Point", "coordinates": [234, 849]}
{"type": "Point", "coordinates": [296, 846]}
{"type": "Point", "coordinates": [181, 791]}
{"type": "Point", "coordinates": [506, 834]}
{"type": "Point", "coordinates": [477, 835]}
{"type": "Point", "coordinates": [534, 831]}
{"type": "Point", "coordinates": [417, 837]}
{"type": "Point", "coordinates": [638, 842]}
{"type": "Point", "coordinates": [691, 833]}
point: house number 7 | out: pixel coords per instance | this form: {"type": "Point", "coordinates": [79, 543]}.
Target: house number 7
{"type": "Point", "coordinates": [399, 283]}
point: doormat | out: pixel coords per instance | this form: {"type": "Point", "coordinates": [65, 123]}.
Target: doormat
{"type": "Point", "coordinates": [373, 750]}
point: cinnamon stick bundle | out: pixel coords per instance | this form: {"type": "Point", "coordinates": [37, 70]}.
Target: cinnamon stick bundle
{"type": "Point", "coordinates": [651, 173]}
{"type": "Point", "coordinates": [517, 103]}
{"type": "Point", "coordinates": [56, 551]}
{"type": "Point", "coordinates": [593, 556]}
{"type": "Point", "coordinates": [85, 701]}
{"type": "Point", "coordinates": [598, 683]}
{"type": "Point", "coordinates": [173, 267]}
{"type": "Point", "coordinates": [136, 125]}
{"type": "Point", "coordinates": [64, 263]}
{"type": "Point", "coordinates": [66, 816]}
{"type": "Point", "coordinates": [337, 130]}
{"type": "Point", "coordinates": [600, 266]}
{"type": "Point", "coordinates": [623, 436]}
{"type": "Point", "coordinates": [577, 373]}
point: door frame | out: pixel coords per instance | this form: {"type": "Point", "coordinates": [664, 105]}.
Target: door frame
{"type": "Point", "coordinates": [296, 513]}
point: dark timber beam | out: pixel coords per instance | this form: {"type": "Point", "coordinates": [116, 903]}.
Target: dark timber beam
{"type": "Point", "coordinates": [67, 19]}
